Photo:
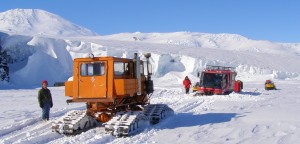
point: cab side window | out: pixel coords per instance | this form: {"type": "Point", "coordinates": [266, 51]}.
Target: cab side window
{"type": "Point", "coordinates": [118, 68]}
{"type": "Point", "coordinates": [92, 69]}
{"type": "Point", "coordinates": [127, 69]}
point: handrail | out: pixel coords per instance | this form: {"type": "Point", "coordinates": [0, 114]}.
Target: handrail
{"type": "Point", "coordinates": [211, 67]}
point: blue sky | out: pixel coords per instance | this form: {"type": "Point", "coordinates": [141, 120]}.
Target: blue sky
{"type": "Point", "coordinates": [274, 20]}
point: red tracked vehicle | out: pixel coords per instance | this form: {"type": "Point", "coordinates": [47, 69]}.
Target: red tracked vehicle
{"type": "Point", "coordinates": [218, 80]}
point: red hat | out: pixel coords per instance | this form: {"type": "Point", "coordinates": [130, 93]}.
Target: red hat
{"type": "Point", "coordinates": [44, 81]}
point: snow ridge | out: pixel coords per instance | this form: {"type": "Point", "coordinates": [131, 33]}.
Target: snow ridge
{"type": "Point", "coordinates": [37, 58]}
{"type": "Point", "coordinates": [39, 22]}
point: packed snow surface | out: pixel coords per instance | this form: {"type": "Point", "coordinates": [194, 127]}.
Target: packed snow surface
{"type": "Point", "coordinates": [252, 116]}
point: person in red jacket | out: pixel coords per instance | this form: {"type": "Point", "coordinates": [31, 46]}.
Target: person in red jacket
{"type": "Point", "coordinates": [187, 84]}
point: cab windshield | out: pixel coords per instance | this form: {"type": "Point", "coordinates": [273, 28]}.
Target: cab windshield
{"type": "Point", "coordinates": [212, 80]}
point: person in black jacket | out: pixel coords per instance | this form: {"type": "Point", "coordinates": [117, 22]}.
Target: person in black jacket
{"type": "Point", "coordinates": [45, 100]}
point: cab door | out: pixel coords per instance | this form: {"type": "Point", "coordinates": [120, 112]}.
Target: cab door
{"type": "Point", "coordinates": [225, 83]}
{"type": "Point", "coordinates": [92, 81]}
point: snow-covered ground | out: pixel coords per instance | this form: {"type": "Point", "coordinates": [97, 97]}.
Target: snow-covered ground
{"type": "Point", "coordinates": [252, 116]}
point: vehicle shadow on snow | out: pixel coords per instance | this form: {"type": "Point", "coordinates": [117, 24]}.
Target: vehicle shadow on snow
{"type": "Point", "coordinates": [189, 119]}
{"type": "Point", "coordinates": [255, 93]}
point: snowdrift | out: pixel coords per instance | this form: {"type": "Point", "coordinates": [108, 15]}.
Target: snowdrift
{"type": "Point", "coordinates": [34, 58]}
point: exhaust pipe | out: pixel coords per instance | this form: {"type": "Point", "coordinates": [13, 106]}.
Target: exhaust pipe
{"type": "Point", "coordinates": [138, 73]}
{"type": "Point", "coordinates": [148, 82]}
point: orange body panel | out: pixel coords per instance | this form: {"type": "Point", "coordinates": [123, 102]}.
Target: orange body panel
{"type": "Point", "coordinates": [125, 87]}
{"type": "Point", "coordinates": [69, 88]}
{"type": "Point", "coordinates": [106, 84]}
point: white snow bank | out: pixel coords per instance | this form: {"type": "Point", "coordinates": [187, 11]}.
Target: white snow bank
{"type": "Point", "coordinates": [30, 54]}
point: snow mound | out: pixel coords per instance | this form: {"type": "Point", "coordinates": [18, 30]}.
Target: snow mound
{"type": "Point", "coordinates": [34, 58]}
{"type": "Point", "coordinates": [224, 41]}
{"type": "Point", "coordinates": [39, 22]}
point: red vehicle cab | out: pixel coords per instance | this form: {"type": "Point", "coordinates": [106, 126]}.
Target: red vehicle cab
{"type": "Point", "coordinates": [218, 80]}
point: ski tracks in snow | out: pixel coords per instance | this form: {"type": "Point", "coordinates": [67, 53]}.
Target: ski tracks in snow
{"type": "Point", "coordinates": [35, 132]}
{"type": "Point", "coordinates": [200, 110]}
{"type": "Point", "coordinates": [32, 130]}
{"type": "Point", "coordinates": [179, 102]}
